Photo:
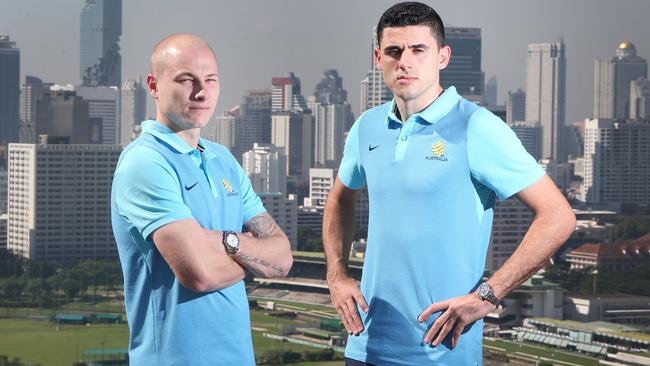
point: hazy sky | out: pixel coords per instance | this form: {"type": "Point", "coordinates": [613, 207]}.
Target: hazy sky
{"type": "Point", "coordinates": [255, 40]}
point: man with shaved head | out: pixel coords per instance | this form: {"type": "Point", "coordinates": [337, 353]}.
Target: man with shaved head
{"type": "Point", "coordinates": [188, 224]}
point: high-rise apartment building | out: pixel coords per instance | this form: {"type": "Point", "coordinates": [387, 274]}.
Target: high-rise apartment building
{"type": "Point", "coordinates": [133, 107]}
{"type": "Point", "coordinates": [464, 69]}
{"type": "Point", "coordinates": [100, 62]}
{"type": "Point", "coordinates": [509, 225]}
{"type": "Point", "coordinates": [266, 166]}
{"type": "Point", "coordinates": [284, 209]}
{"type": "Point", "coordinates": [104, 104]}
{"type": "Point", "coordinates": [617, 162]}
{"type": "Point", "coordinates": [374, 91]}
{"type": "Point", "coordinates": [545, 95]}
{"type": "Point", "coordinates": [321, 181]}
{"type": "Point", "coordinates": [9, 90]}
{"type": "Point", "coordinates": [221, 129]}
{"type": "Point", "coordinates": [59, 201]}
{"type": "Point", "coordinates": [612, 79]}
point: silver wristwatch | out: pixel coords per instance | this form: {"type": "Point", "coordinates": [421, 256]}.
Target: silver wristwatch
{"type": "Point", "coordinates": [486, 292]}
{"type": "Point", "coordinates": [231, 242]}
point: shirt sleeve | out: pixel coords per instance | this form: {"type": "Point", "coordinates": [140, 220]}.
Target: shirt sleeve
{"type": "Point", "coordinates": [496, 156]}
{"type": "Point", "coordinates": [147, 191]}
{"type": "Point", "coordinates": [351, 172]}
{"type": "Point", "coordinates": [251, 203]}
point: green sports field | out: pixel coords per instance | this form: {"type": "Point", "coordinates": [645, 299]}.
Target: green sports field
{"type": "Point", "coordinates": [39, 342]}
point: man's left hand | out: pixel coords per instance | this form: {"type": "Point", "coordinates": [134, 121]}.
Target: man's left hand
{"type": "Point", "coordinates": [457, 313]}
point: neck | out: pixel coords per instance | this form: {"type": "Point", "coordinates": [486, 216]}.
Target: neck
{"type": "Point", "coordinates": [190, 135]}
{"type": "Point", "coordinates": [411, 106]}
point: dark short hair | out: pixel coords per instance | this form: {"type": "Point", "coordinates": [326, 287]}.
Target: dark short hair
{"type": "Point", "coordinates": [412, 13]}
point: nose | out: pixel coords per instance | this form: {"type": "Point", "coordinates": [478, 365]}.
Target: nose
{"type": "Point", "coordinates": [200, 91]}
{"type": "Point", "coordinates": [406, 60]}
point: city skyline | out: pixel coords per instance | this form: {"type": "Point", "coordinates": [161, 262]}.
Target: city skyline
{"type": "Point", "coordinates": [283, 37]}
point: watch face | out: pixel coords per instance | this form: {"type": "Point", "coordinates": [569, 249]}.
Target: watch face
{"type": "Point", "coordinates": [232, 240]}
{"type": "Point", "coordinates": [483, 290]}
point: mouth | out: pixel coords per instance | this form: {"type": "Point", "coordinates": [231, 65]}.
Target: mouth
{"type": "Point", "coordinates": [405, 78]}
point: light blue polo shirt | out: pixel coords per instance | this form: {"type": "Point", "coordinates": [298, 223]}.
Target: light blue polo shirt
{"type": "Point", "coordinates": [160, 179]}
{"type": "Point", "coordinates": [432, 184]}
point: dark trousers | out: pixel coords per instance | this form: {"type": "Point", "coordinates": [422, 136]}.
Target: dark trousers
{"type": "Point", "coordinates": [351, 362]}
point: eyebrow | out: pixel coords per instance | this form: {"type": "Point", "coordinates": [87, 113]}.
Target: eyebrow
{"type": "Point", "coordinates": [394, 48]}
{"type": "Point", "coordinates": [186, 73]}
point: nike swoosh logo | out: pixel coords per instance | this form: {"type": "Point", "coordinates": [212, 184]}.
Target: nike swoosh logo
{"type": "Point", "coordinates": [190, 187]}
{"type": "Point", "coordinates": [370, 147]}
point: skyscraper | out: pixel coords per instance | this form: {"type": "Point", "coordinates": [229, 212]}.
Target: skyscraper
{"type": "Point", "coordinates": [329, 89]}
{"type": "Point", "coordinates": [291, 126]}
{"type": "Point", "coordinates": [612, 79]}
{"type": "Point", "coordinates": [464, 69]}
{"type": "Point", "coordinates": [254, 121]}
{"type": "Point", "coordinates": [104, 103]}
{"type": "Point", "coordinates": [373, 90]}
{"type": "Point", "coordinates": [545, 95]}
{"type": "Point", "coordinates": [516, 106]}
{"type": "Point", "coordinates": [9, 90]}
{"type": "Point", "coordinates": [617, 162]}
{"type": "Point", "coordinates": [293, 132]}
{"type": "Point", "coordinates": [640, 99]}
{"type": "Point", "coordinates": [330, 123]}
{"type": "Point", "coordinates": [32, 91]}
{"type": "Point", "coordinates": [101, 28]}
{"type": "Point", "coordinates": [133, 107]}
{"type": "Point", "coordinates": [286, 94]}
{"type": "Point", "coordinates": [332, 117]}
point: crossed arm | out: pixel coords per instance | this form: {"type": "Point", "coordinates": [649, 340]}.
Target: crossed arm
{"type": "Point", "coordinates": [199, 261]}
{"type": "Point", "coordinates": [553, 222]}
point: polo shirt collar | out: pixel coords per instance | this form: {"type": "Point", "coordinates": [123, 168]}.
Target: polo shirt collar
{"type": "Point", "coordinates": [169, 137]}
{"type": "Point", "coordinates": [431, 114]}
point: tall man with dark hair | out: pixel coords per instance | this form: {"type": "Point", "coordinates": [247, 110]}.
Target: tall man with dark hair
{"type": "Point", "coordinates": [179, 206]}
{"type": "Point", "coordinates": [433, 163]}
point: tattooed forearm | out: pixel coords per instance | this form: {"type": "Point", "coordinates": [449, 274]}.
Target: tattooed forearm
{"type": "Point", "coordinates": [262, 262]}
{"type": "Point", "coordinates": [261, 225]}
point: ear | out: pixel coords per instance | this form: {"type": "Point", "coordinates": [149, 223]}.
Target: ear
{"type": "Point", "coordinates": [378, 58]}
{"type": "Point", "coordinates": [444, 55]}
{"type": "Point", "coordinates": [152, 85]}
